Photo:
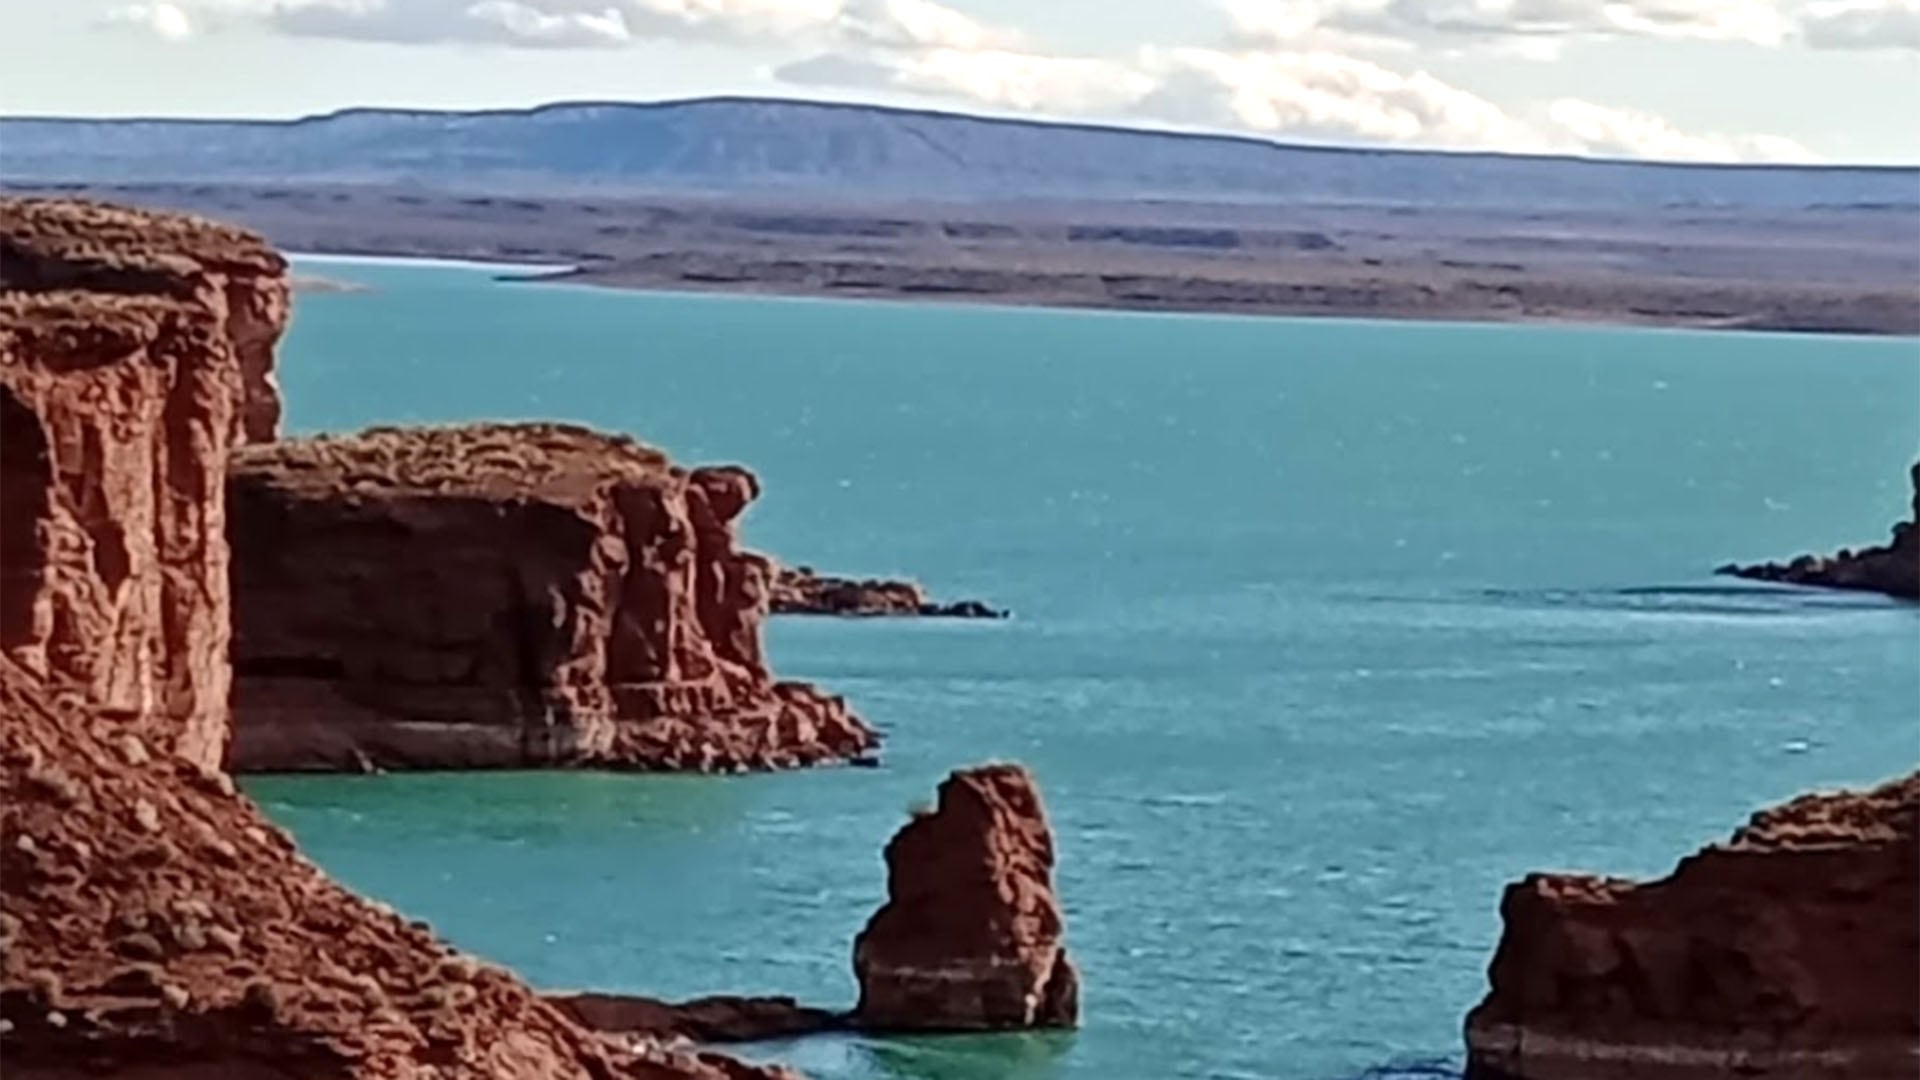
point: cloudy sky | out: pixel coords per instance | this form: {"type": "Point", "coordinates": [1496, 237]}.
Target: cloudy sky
{"type": "Point", "coordinates": [1797, 80]}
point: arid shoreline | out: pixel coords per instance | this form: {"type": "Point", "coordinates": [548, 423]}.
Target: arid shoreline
{"type": "Point", "coordinates": [1844, 270]}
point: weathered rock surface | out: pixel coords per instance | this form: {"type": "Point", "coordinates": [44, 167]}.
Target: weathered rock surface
{"type": "Point", "coordinates": [157, 925]}
{"type": "Point", "coordinates": [152, 923]}
{"type": "Point", "coordinates": [1893, 569]}
{"type": "Point", "coordinates": [718, 1019]}
{"type": "Point", "coordinates": [118, 413]}
{"type": "Point", "coordinates": [62, 244]}
{"type": "Point", "coordinates": [505, 595]}
{"type": "Point", "coordinates": [1789, 951]}
{"type": "Point", "coordinates": [970, 936]}
{"type": "Point", "coordinates": [799, 590]}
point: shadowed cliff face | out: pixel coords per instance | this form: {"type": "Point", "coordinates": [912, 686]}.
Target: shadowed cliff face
{"type": "Point", "coordinates": [504, 595]}
{"type": "Point", "coordinates": [1789, 951]}
{"type": "Point", "coordinates": [153, 923]}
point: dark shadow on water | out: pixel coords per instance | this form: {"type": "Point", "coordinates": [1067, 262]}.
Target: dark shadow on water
{"type": "Point", "coordinates": [1438, 1068]}
{"type": "Point", "coordinates": [1757, 600]}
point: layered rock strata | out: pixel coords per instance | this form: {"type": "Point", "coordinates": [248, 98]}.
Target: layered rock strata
{"type": "Point", "coordinates": [505, 595]}
{"type": "Point", "coordinates": [74, 244]}
{"type": "Point", "coordinates": [970, 936]}
{"type": "Point", "coordinates": [799, 590]}
{"type": "Point", "coordinates": [1788, 951]}
{"type": "Point", "coordinates": [1893, 569]}
{"type": "Point", "coordinates": [152, 922]}
{"type": "Point", "coordinates": [116, 414]}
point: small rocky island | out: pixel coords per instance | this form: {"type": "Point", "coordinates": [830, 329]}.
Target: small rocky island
{"type": "Point", "coordinates": [1789, 951]}
{"type": "Point", "coordinates": [1893, 569]}
{"type": "Point", "coordinates": [800, 590]}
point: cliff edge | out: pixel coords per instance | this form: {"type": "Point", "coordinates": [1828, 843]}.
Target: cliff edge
{"type": "Point", "coordinates": [505, 595]}
{"type": "Point", "coordinates": [1788, 951]}
{"type": "Point", "coordinates": [1893, 569]}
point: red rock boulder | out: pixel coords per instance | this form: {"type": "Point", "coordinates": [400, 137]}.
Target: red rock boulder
{"type": "Point", "coordinates": [1892, 568]}
{"type": "Point", "coordinates": [970, 937]}
{"type": "Point", "coordinates": [505, 595]}
{"type": "Point", "coordinates": [1790, 951]}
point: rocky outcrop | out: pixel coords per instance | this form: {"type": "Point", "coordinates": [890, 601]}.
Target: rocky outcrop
{"type": "Point", "coordinates": [1893, 569]}
{"type": "Point", "coordinates": [118, 412]}
{"type": "Point", "coordinates": [157, 925]}
{"type": "Point", "coordinates": [505, 595]}
{"type": "Point", "coordinates": [798, 590]}
{"type": "Point", "coordinates": [152, 922]}
{"type": "Point", "coordinates": [75, 244]}
{"type": "Point", "coordinates": [1789, 951]}
{"type": "Point", "coordinates": [970, 936]}
{"type": "Point", "coordinates": [718, 1019]}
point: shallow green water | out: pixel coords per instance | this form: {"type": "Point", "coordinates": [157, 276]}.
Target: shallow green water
{"type": "Point", "coordinates": [1325, 631]}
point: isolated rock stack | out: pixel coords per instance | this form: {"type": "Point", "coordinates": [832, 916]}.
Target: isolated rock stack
{"type": "Point", "coordinates": [1789, 951]}
{"type": "Point", "coordinates": [970, 937]}
{"type": "Point", "coordinates": [151, 919]}
{"type": "Point", "coordinates": [505, 595]}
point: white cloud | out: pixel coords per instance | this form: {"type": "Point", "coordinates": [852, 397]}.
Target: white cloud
{"type": "Point", "coordinates": [582, 23]}
{"type": "Point", "coordinates": [1874, 24]}
{"type": "Point", "coordinates": [1615, 132]}
{"type": "Point", "coordinates": [1296, 94]}
{"type": "Point", "coordinates": [1513, 27]}
{"type": "Point", "coordinates": [164, 21]}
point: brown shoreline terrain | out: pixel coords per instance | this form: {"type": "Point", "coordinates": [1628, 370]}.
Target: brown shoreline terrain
{"type": "Point", "coordinates": [1837, 269]}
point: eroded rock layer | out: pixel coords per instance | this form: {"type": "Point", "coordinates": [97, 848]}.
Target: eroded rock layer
{"type": "Point", "coordinates": [76, 244]}
{"type": "Point", "coordinates": [799, 590]}
{"type": "Point", "coordinates": [152, 923]}
{"type": "Point", "coordinates": [970, 936]}
{"type": "Point", "coordinates": [719, 1019]}
{"type": "Point", "coordinates": [118, 415]}
{"type": "Point", "coordinates": [1893, 569]}
{"type": "Point", "coordinates": [157, 925]}
{"type": "Point", "coordinates": [1788, 951]}
{"type": "Point", "coordinates": [505, 595]}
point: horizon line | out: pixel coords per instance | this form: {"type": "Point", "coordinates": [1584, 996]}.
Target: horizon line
{"type": "Point", "coordinates": [1105, 127]}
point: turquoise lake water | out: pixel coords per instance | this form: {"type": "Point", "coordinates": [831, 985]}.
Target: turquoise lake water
{"type": "Point", "coordinates": [1325, 631]}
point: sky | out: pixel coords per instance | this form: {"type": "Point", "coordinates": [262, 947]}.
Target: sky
{"type": "Point", "coordinates": [1717, 80]}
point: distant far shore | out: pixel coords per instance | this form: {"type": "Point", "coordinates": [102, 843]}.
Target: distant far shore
{"type": "Point", "coordinates": [1841, 270]}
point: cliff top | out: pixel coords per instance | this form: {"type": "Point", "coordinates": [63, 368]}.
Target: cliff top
{"type": "Point", "coordinates": [66, 329]}
{"type": "Point", "coordinates": [1888, 813]}
{"type": "Point", "coordinates": [550, 461]}
{"type": "Point", "coordinates": [105, 236]}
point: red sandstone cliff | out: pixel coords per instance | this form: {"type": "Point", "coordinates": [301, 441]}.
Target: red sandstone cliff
{"type": "Point", "coordinates": [116, 414]}
{"type": "Point", "coordinates": [505, 595]}
{"type": "Point", "coordinates": [1789, 951]}
{"type": "Point", "coordinates": [152, 923]}
{"type": "Point", "coordinates": [55, 244]}
{"type": "Point", "coordinates": [970, 936]}
{"type": "Point", "coordinates": [1893, 569]}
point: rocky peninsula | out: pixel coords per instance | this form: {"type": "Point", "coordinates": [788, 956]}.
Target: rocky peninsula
{"type": "Point", "coordinates": [154, 922]}
{"type": "Point", "coordinates": [800, 590]}
{"type": "Point", "coordinates": [1893, 568]}
{"type": "Point", "coordinates": [1787, 951]}
{"type": "Point", "coordinates": [506, 595]}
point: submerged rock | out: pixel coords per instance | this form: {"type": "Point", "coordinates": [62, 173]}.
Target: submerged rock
{"type": "Point", "coordinates": [1788, 951]}
{"type": "Point", "coordinates": [970, 937]}
{"type": "Point", "coordinates": [799, 590]}
{"type": "Point", "coordinates": [505, 595]}
{"type": "Point", "coordinates": [1893, 569]}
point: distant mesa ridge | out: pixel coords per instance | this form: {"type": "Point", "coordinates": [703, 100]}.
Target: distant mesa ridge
{"type": "Point", "coordinates": [747, 144]}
